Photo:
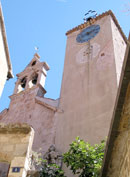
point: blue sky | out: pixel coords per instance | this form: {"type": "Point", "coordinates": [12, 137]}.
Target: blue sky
{"type": "Point", "coordinates": [43, 23]}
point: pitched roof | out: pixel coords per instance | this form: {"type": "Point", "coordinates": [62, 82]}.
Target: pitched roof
{"type": "Point", "coordinates": [92, 21]}
{"type": "Point", "coordinates": [10, 74]}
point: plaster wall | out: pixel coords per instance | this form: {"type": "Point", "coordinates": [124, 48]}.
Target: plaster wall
{"type": "Point", "coordinates": [119, 165]}
{"type": "Point", "coordinates": [3, 63]}
{"type": "Point", "coordinates": [24, 109]}
{"type": "Point", "coordinates": [119, 49]}
{"type": "Point", "coordinates": [89, 88]}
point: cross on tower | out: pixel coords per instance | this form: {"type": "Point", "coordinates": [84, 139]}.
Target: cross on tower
{"type": "Point", "coordinates": [90, 15]}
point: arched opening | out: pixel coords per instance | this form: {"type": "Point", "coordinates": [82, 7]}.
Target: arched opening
{"type": "Point", "coordinates": [22, 84]}
{"type": "Point", "coordinates": [33, 80]}
{"type": "Point", "coordinates": [33, 63]}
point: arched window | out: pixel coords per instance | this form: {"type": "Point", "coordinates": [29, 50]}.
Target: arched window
{"type": "Point", "coordinates": [33, 80]}
{"type": "Point", "coordinates": [22, 84]}
{"type": "Point", "coordinates": [33, 63]}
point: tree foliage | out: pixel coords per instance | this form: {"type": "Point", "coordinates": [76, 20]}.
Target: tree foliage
{"type": "Point", "coordinates": [84, 159]}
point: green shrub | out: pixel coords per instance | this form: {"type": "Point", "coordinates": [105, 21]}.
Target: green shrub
{"type": "Point", "coordinates": [84, 159]}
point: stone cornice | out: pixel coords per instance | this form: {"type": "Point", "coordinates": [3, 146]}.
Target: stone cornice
{"type": "Point", "coordinates": [14, 128]}
{"type": "Point", "coordinates": [26, 91]}
{"type": "Point", "coordinates": [39, 101]}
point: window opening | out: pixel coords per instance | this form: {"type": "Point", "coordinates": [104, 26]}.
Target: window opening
{"type": "Point", "coordinates": [34, 79]}
{"type": "Point", "coordinates": [33, 63]}
{"type": "Point", "coordinates": [23, 82]}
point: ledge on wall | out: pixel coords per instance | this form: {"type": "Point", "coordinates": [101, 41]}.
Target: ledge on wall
{"type": "Point", "coordinates": [14, 128]}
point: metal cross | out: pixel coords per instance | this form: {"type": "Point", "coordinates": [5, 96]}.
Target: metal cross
{"type": "Point", "coordinates": [89, 15]}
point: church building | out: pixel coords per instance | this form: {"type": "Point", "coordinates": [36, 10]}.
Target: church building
{"type": "Point", "coordinates": [94, 58]}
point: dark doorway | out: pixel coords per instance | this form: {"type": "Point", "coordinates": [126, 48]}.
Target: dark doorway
{"type": "Point", "coordinates": [4, 169]}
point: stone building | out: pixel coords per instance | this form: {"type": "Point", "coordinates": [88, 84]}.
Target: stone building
{"type": "Point", "coordinates": [93, 64]}
{"type": "Point", "coordinates": [5, 63]}
{"type": "Point", "coordinates": [117, 156]}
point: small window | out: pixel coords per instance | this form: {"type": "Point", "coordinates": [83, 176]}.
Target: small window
{"type": "Point", "coordinates": [23, 82]}
{"type": "Point", "coordinates": [33, 63]}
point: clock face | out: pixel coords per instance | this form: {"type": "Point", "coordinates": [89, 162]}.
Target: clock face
{"type": "Point", "coordinates": [88, 33]}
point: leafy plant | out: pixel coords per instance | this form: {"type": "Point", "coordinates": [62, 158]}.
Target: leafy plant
{"type": "Point", "coordinates": [46, 169]}
{"type": "Point", "coordinates": [84, 159]}
{"type": "Point", "coordinates": [50, 170]}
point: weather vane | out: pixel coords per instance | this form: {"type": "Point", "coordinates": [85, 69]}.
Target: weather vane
{"type": "Point", "coordinates": [36, 49]}
{"type": "Point", "coordinates": [90, 15]}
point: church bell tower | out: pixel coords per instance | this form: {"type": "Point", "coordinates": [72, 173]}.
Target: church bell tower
{"type": "Point", "coordinates": [93, 63]}
{"type": "Point", "coordinates": [28, 104]}
{"type": "Point", "coordinates": [33, 75]}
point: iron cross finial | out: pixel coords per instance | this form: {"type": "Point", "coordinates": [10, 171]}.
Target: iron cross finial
{"type": "Point", "coordinates": [89, 15]}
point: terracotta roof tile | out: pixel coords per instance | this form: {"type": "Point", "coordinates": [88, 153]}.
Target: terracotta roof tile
{"type": "Point", "coordinates": [92, 21]}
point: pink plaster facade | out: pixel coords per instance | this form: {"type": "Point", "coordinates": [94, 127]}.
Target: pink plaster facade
{"type": "Point", "coordinates": [89, 86]}
{"type": "Point", "coordinates": [27, 106]}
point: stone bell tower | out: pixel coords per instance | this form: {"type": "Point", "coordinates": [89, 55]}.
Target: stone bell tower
{"type": "Point", "coordinates": [33, 76]}
{"type": "Point", "coordinates": [93, 63]}
{"type": "Point", "coordinates": [28, 104]}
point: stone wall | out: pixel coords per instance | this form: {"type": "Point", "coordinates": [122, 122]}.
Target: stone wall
{"type": "Point", "coordinates": [120, 160]}
{"type": "Point", "coordinates": [15, 148]}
